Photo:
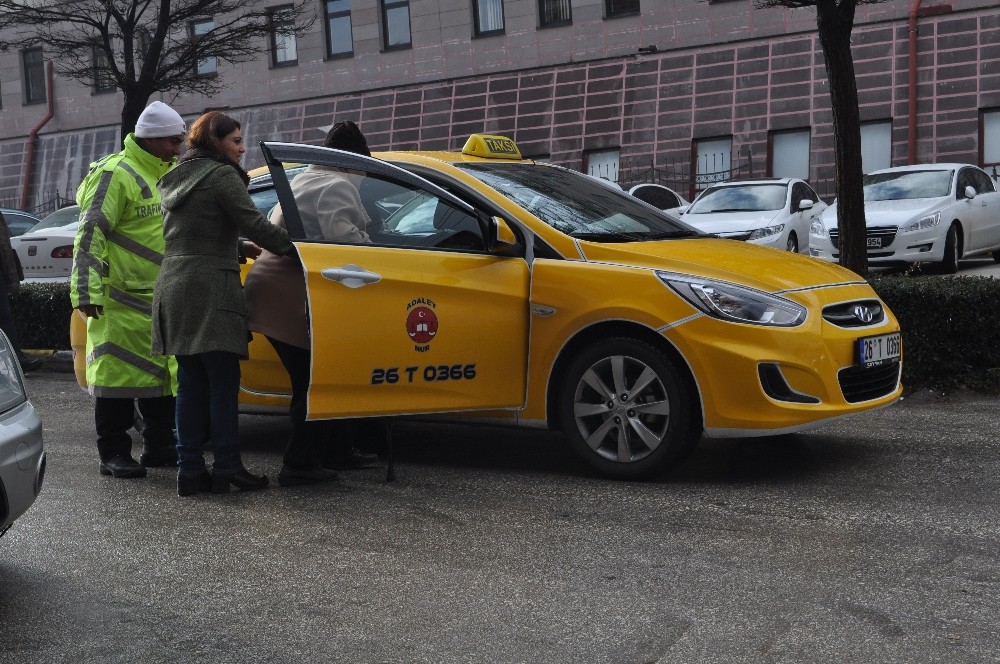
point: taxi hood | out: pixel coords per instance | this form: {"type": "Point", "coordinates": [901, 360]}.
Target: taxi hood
{"type": "Point", "coordinates": [738, 262]}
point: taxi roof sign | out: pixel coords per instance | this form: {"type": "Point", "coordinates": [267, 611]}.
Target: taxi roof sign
{"type": "Point", "coordinates": [495, 147]}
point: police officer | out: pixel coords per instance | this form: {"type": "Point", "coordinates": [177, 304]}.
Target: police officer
{"type": "Point", "coordinates": [116, 257]}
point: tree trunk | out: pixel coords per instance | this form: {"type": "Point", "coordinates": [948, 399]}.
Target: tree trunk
{"type": "Point", "coordinates": [835, 24]}
{"type": "Point", "coordinates": [132, 107]}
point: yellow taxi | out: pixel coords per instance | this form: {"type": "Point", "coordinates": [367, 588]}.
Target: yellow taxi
{"type": "Point", "coordinates": [511, 291]}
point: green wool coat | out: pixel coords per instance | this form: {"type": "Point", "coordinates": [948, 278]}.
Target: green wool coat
{"type": "Point", "coordinates": [198, 303]}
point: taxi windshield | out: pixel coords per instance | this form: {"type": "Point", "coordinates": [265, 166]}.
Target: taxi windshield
{"type": "Point", "coordinates": [578, 205]}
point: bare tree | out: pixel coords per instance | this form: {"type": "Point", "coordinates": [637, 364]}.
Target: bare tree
{"type": "Point", "coordinates": [835, 21]}
{"type": "Point", "coordinates": [142, 47]}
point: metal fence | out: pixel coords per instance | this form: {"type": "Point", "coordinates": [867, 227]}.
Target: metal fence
{"type": "Point", "coordinates": [56, 202]}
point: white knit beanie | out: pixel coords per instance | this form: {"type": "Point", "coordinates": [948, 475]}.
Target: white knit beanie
{"type": "Point", "coordinates": [158, 121]}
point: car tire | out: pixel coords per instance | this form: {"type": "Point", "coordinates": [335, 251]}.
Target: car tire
{"type": "Point", "coordinates": [622, 434]}
{"type": "Point", "coordinates": [792, 244]}
{"type": "Point", "coordinates": [949, 264]}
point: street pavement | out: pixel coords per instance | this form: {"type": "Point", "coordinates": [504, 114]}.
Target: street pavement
{"type": "Point", "coordinates": [874, 539]}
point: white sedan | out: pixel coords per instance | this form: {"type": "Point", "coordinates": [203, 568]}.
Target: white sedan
{"type": "Point", "coordinates": [929, 213]}
{"type": "Point", "coordinates": [46, 251]}
{"type": "Point", "coordinates": [774, 212]}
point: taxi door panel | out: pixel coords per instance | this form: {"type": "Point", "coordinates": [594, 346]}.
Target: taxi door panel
{"type": "Point", "coordinates": [402, 331]}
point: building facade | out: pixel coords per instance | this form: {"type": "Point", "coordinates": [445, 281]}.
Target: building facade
{"type": "Point", "coordinates": [678, 91]}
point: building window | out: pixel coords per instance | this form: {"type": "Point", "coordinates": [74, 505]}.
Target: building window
{"type": "Point", "coordinates": [489, 17]}
{"type": "Point", "coordinates": [339, 35]}
{"type": "Point", "coordinates": [396, 23]}
{"type": "Point", "coordinates": [104, 80]}
{"type": "Point", "coordinates": [713, 159]}
{"type": "Point", "coordinates": [207, 66]}
{"type": "Point", "coordinates": [990, 129]}
{"type": "Point", "coordinates": [284, 50]}
{"type": "Point", "coordinates": [603, 164]}
{"type": "Point", "coordinates": [876, 146]}
{"type": "Point", "coordinates": [616, 8]}
{"type": "Point", "coordinates": [554, 12]}
{"type": "Point", "coordinates": [33, 70]}
{"type": "Point", "coordinates": [790, 154]}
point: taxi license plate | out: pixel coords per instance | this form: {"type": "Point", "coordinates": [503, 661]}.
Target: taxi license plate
{"type": "Point", "coordinates": [881, 349]}
{"type": "Point", "coordinates": [874, 243]}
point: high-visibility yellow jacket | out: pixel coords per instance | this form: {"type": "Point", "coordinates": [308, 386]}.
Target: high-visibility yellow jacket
{"type": "Point", "coordinates": [116, 256]}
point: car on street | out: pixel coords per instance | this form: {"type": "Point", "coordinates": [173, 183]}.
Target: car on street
{"type": "Point", "coordinates": [659, 196]}
{"type": "Point", "coordinates": [503, 290]}
{"type": "Point", "coordinates": [927, 213]}
{"type": "Point", "coordinates": [773, 212]}
{"type": "Point", "coordinates": [46, 250]}
{"type": "Point", "coordinates": [18, 221]}
{"type": "Point", "coordinates": [22, 453]}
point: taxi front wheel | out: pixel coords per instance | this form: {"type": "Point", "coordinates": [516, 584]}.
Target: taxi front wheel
{"type": "Point", "coordinates": [628, 410]}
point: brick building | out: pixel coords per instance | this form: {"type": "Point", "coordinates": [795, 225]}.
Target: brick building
{"type": "Point", "coordinates": [631, 89]}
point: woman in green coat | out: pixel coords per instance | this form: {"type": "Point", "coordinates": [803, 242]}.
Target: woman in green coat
{"type": "Point", "coordinates": [199, 314]}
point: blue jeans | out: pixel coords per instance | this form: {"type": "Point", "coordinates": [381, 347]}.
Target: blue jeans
{"type": "Point", "coordinates": [208, 387]}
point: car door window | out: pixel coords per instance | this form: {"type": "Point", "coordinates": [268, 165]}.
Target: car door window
{"type": "Point", "coordinates": [965, 179]}
{"type": "Point", "coordinates": [981, 181]}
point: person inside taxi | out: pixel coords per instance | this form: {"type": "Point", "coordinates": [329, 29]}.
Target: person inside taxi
{"type": "Point", "coordinates": [116, 258]}
{"type": "Point", "coordinates": [199, 311]}
{"type": "Point", "coordinates": [331, 209]}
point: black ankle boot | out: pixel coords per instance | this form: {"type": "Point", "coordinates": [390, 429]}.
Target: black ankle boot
{"type": "Point", "coordinates": [241, 479]}
{"type": "Point", "coordinates": [189, 485]}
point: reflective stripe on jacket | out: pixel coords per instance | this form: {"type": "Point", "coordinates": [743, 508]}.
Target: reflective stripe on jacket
{"type": "Point", "coordinates": [116, 257]}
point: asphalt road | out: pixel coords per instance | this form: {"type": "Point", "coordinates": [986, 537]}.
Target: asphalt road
{"type": "Point", "coordinates": [875, 539]}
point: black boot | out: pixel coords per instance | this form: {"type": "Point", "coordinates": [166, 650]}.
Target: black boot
{"type": "Point", "coordinates": [189, 485]}
{"type": "Point", "coordinates": [241, 479]}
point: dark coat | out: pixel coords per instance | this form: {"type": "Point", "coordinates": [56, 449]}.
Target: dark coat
{"type": "Point", "coordinates": [198, 303]}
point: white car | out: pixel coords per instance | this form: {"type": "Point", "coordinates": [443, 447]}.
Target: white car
{"type": "Point", "coordinates": [22, 455]}
{"type": "Point", "coordinates": [774, 212]}
{"type": "Point", "coordinates": [930, 213]}
{"type": "Point", "coordinates": [46, 251]}
{"type": "Point", "coordinates": [659, 196]}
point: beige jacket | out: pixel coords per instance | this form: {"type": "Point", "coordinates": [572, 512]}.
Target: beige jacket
{"type": "Point", "coordinates": [275, 288]}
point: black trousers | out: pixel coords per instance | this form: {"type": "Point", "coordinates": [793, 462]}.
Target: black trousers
{"type": "Point", "coordinates": [311, 442]}
{"type": "Point", "coordinates": [113, 418]}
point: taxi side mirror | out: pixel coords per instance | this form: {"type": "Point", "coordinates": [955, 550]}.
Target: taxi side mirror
{"type": "Point", "coordinates": [501, 238]}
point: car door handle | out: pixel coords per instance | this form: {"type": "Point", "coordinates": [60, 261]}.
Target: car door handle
{"type": "Point", "coordinates": [351, 276]}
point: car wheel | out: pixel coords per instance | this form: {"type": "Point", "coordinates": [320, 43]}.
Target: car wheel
{"type": "Point", "coordinates": [793, 243]}
{"type": "Point", "coordinates": [949, 264]}
{"type": "Point", "coordinates": [627, 410]}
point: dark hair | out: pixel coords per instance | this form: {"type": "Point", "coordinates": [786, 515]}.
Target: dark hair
{"type": "Point", "coordinates": [346, 136]}
{"type": "Point", "coordinates": [207, 132]}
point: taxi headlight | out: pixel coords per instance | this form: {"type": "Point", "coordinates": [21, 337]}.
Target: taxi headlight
{"type": "Point", "coordinates": [930, 221]}
{"type": "Point", "coordinates": [737, 304]}
{"type": "Point", "coordinates": [11, 382]}
{"type": "Point", "coordinates": [766, 232]}
{"type": "Point", "coordinates": [817, 228]}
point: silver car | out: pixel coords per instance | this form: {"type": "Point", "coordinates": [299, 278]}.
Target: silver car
{"type": "Point", "coordinates": [22, 455]}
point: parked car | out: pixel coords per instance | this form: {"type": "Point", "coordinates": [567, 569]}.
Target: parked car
{"type": "Point", "coordinates": [659, 196]}
{"type": "Point", "coordinates": [46, 250]}
{"type": "Point", "coordinates": [18, 221]}
{"type": "Point", "coordinates": [516, 292]}
{"type": "Point", "coordinates": [22, 454]}
{"type": "Point", "coordinates": [773, 212]}
{"type": "Point", "coordinates": [929, 213]}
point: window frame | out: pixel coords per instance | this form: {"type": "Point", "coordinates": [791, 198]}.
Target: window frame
{"type": "Point", "coordinates": [279, 17]}
{"type": "Point", "coordinates": [477, 19]}
{"type": "Point", "coordinates": [775, 140]}
{"type": "Point", "coordinates": [103, 80]}
{"type": "Point", "coordinates": [554, 23]}
{"type": "Point", "coordinates": [611, 12]}
{"type": "Point", "coordinates": [328, 19]}
{"type": "Point", "coordinates": [33, 74]}
{"type": "Point", "coordinates": [385, 7]}
{"type": "Point", "coordinates": [194, 35]}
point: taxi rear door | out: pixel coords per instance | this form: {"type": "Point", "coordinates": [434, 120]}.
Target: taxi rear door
{"type": "Point", "coordinates": [421, 320]}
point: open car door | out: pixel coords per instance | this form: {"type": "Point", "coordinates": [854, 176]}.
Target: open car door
{"type": "Point", "coordinates": [422, 319]}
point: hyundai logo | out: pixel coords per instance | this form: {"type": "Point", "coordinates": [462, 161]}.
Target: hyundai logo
{"type": "Point", "coordinates": [864, 314]}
